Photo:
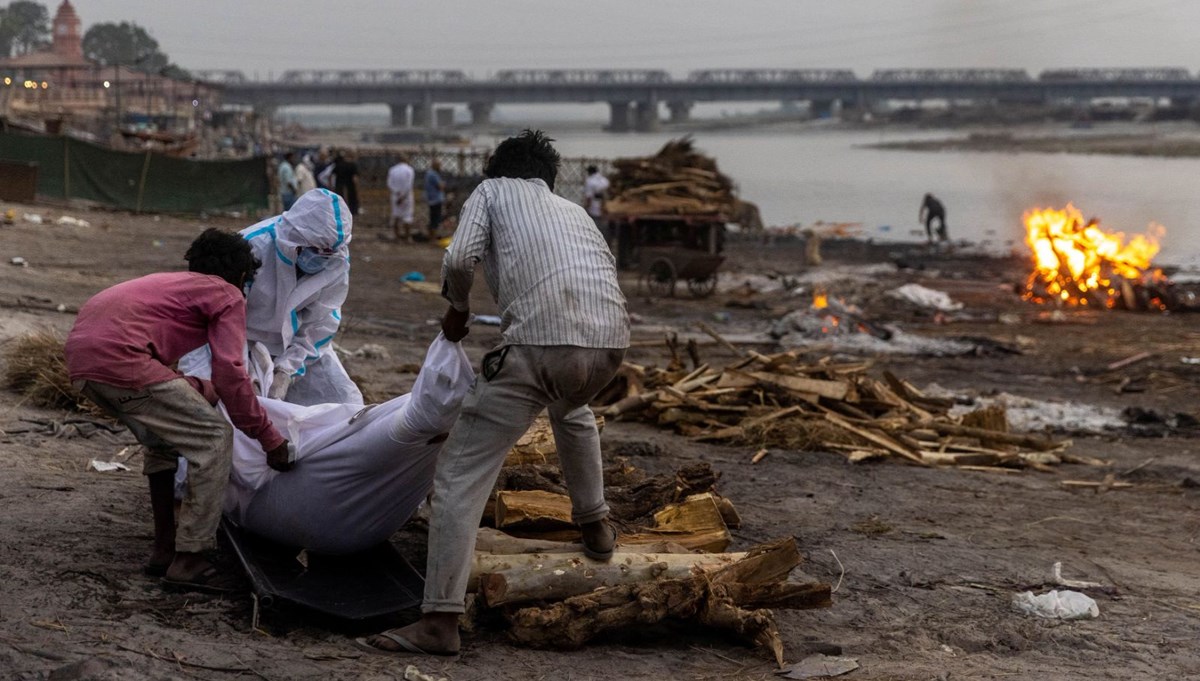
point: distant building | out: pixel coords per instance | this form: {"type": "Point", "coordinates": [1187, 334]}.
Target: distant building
{"type": "Point", "coordinates": [59, 82]}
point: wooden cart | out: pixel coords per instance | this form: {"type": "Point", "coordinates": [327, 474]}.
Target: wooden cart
{"type": "Point", "coordinates": [665, 249]}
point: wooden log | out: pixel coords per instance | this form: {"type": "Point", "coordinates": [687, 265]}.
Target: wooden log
{"type": "Point", "coordinates": [697, 517]}
{"type": "Point", "coordinates": [491, 540]}
{"type": "Point", "coordinates": [707, 598]}
{"type": "Point", "coordinates": [505, 580]}
{"type": "Point", "coordinates": [535, 446]}
{"type": "Point", "coordinates": [783, 595]}
{"type": "Point", "coordinates": [533, 509]}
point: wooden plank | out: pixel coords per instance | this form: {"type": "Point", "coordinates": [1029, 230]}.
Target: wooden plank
{"type": "Point", "coordinates": [877, 438]}
{"type": "Point", "coordinates": [533, 508]}
{"type": "Point", "coordinates": [834, 390]}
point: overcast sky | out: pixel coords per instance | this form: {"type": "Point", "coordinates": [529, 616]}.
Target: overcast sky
{"type": "Point", "coordinates": [484, 35]}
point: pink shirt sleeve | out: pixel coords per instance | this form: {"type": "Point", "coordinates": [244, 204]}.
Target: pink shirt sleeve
{"type": "Point", "coordinates": [227, 339]}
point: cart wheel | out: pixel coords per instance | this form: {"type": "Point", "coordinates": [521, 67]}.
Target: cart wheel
{"type": "Point", "coordinates": [703, 288]}
{"type": "Point", "coordinates": [660, 278]}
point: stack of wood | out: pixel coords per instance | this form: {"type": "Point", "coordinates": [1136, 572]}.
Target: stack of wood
{"type": "Point", "coordinates": [669, 563]}
{"type": "Point", "coordinates": [678, 180]}
{"type": "Point", "coordinates": [781, 401]}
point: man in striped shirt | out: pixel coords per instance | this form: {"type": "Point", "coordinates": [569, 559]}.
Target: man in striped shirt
{"type": "Point", "coordinates": [565, 331]}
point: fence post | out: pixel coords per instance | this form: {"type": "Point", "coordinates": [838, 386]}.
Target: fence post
{"type": "Point", "coordinates": [142, 183]}
{"type": "Point", "coordinates": [66, 167]}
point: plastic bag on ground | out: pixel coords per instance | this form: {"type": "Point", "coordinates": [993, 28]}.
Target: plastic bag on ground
{"type": "Point", "coordinates": [1061, 605]}
{"type": "Point", "coordinates": [926, 297]}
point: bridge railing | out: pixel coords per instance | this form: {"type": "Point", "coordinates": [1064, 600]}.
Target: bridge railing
{"type": "Point", "coordinates": [1110, 75]}
{"type": "Point", "coordinates": [950, 75]}
{"type": "Point", "coordinates": [772, 76]}
{"type": "Point", "coordinates": [581, 76]}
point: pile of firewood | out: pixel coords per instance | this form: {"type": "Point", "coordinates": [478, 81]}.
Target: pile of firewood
{"type": "Point", "coordinates": [780, 401]}
{"type": "Point", "coordinates": [669, 563]}
{"type": "Point", "coordinates": [678, 180]}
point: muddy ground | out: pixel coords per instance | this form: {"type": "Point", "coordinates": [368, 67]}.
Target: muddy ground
{"type": "Point", "coordinates": [926, 561]}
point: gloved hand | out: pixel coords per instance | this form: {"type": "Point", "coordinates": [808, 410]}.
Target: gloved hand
{"type": "Point", "coordinates": [280, 382]}
{"type": "Point", "coordinates": [281, 457]}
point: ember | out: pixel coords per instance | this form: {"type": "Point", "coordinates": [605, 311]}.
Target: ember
{"type": "Point", "coordinates": [1078, 263]}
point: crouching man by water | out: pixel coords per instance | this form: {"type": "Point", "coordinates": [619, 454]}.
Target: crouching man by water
{"type": "Point", "coordinates": [119, 354]}
{"type": "Point", "coordinates": [565, 331]}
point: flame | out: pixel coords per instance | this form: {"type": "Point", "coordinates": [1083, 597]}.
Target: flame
{"type": "Point", "coordinates": [1078, 263]}
{"type": "Point", "coordinates": [820, 299]}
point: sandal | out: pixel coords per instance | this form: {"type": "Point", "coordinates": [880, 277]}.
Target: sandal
{"type": "Point", "coordinates": [210, 581]}
{"type": "Point", "coordinates": [407, 647]}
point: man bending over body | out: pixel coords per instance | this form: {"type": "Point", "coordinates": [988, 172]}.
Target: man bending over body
{"type": "Point", "coordinates": [120, 353]}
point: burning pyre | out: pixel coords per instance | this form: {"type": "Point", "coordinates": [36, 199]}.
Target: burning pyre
{"type": "Point", "coordinates": [1078, 263]}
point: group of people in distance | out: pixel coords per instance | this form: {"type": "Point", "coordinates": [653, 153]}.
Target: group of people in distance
{"type": "Point", "coordinates": [277, 289]}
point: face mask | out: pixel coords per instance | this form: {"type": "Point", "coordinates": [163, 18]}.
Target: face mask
{"type": "Point", "coordinates": [311, 261]}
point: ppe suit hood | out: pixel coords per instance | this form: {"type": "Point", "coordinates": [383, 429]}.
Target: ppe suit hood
{"type": "Point", "coordinates": [319, 218]}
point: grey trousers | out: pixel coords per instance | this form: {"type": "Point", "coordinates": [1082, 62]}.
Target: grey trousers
{"type": "Point", "coordinates": [173, 420]}
{"type": "Point", "coordinates": [495, 414]}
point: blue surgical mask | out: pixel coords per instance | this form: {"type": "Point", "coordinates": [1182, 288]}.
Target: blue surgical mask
{"type": "Point", "coordinates": [312, 261]}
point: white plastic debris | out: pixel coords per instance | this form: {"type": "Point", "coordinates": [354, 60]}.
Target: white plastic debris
{"type": "Point", "coordinates": [1057, 605]}
{"type": "Point", "coordinates": [819, 667]}
{"type": "Point", "coordinates": [486, 319]}
{"type": "Point", "coordinates": [106, 466]}
{"type": "Point", "coordinates": [926, 297]}
{"type": "Point", "coordinates": [33, 218]}
{"type": "Point", "coordinates": [73, 221]}
{"type": "Point", "coordinates": [19, 261]}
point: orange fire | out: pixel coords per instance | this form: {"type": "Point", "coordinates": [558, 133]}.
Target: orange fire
{"type": "Point", "coordinates": [1078, 263]}
{"type": "Point", "coordinates": [820, 299]}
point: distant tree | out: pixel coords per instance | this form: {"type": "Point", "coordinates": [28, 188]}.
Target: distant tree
{"type": "Point", "coordinates": [125, 43]}
{"type": "Point", "coordinates": [25, 27]}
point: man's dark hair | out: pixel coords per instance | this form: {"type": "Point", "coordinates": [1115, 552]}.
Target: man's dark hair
{"type": "Point", "coordinates": [289, 156]}
{"type": "Point", "coordinates": [224, 254]}
{"type": "Point", "coordinates": [592, 170]}
{"type": "Point", "coordinates": [527, 156]}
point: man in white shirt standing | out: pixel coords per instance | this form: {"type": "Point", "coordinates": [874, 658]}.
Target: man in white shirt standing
{"type": "Point", "coordinates": [400, 184]}
{"type": "Point", "coordinates": [595, 188]}
{"type": "Point", "coordinates": [565, 330]}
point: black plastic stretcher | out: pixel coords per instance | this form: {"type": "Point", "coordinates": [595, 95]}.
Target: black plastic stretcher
{"type": "Point", "coordinates": [371, 583]}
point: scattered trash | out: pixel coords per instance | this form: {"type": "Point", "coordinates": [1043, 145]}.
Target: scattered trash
{"type": "Point", "coordinates": [1189, 360]}
{"type": "Point", "coordinates": [106, 466]}
{"type": "Point", "coordinates": [444, 242]}
{"type": "Point", "coordinates": [368, 351]}
{"type": "Point", "coordinates": [411, 673]}
{"type": "Point", "coordinates": [73, 221]}
{"type": "Point", "coordinates": [1060, 605]}
{"type": "Point", "coordinates": [365, 258]}
{"type": "Point", "coordinates": [156, 243]}
{"type": "Point", "coordinates": [819, 667]}
{"type": "Point", "coordinates": [486, 319]}
{"type": "Point", "coordinates": [926, 297]}
{"type": "Point", "coordinates": [61, 307]}
{"type": "Point", "coordinates": [10, 216]}
{"type": "Point", "coordinates": [1056, 573]}
{"type": "Point", "coordinates": [33, 218]}
{"type": "Point", "coordinates": [721, 316]}
{"type": "Point", "coordinates": [413, 276]}
{"type": "Point", "coordinates": [19, 261]}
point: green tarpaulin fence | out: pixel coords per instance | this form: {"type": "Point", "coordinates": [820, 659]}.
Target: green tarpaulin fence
{"type": "Point", "coordinates": [138, 181]}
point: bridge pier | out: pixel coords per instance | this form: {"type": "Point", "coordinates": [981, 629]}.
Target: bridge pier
{"type": "Point", "coordinates": [481, 113]}
{"type": "Point", "coordinates": [618, 117]}
{"type": "Point", "coordinates": [646, 116]}
{"type": "Point", "coordinates": [422, 115]}
{"type": "Point", "coordinates": [679, 111]}
{"type": "Point", "coordinates": [821, 108]}
{"type": "Point", "coordinates": [399, 115]}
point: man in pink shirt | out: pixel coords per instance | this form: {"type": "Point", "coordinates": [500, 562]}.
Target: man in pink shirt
{"type": "Point", "coordinates": [120, 354]}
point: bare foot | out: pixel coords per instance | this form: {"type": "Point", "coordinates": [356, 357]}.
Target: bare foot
{"type": "Point", "coordinates": [436, 633]}
{"type": "Point", "coordinates": [194, 571]}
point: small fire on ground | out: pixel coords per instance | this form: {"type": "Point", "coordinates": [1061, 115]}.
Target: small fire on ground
{"type": "Point", "coordinates": [834, 317]}
{"type": "Point", "coordinates": [1076, 262]}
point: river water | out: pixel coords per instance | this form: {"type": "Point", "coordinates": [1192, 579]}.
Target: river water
{"type": "Point", "coordinates": [832, 175]}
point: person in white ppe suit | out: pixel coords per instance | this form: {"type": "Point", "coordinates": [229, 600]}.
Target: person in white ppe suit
{"type": "Point", "coordinates": [293, 305]}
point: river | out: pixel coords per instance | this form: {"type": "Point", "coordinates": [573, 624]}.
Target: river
{"type": "Point", "coordinates": [832, 175]}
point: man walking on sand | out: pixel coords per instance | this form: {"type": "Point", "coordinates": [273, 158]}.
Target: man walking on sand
{"type": "Point", "coordinates": [120, 355]}
{"type": "Point", "coordinates": [565, 331]}
{"type": "Point", "coordinates": [400, 184]}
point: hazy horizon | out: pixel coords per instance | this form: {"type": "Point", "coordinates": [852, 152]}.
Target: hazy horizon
{"type": "Point", "coordinates": [270, 37]}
